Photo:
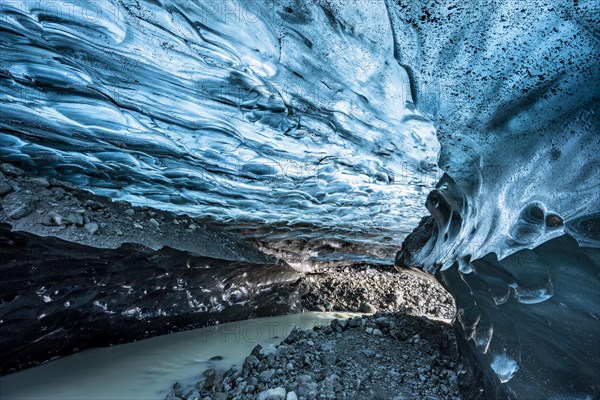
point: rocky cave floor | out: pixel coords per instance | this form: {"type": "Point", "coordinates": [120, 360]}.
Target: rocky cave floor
{"type": "Point", "coordinates": [401, 348]}
{"type": "Point", "coordinates": [391, 356]}
{"type": "Point", "coordinates": [405, 351]}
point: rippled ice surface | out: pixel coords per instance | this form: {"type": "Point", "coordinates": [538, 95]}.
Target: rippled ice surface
{"type": "Point", "coordinates": [293, 114]}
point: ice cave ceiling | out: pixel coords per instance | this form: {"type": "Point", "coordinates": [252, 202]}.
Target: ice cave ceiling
{"type": "Point", "coordinates": [295, 113]}
{"type": "Point", "coordinates": [255, 113]}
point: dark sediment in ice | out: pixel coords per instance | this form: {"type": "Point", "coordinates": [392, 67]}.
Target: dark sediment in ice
{"type": "Point", "coordinates": [59, 297]}
{"type": "Point", "coordinates": [49, 207]}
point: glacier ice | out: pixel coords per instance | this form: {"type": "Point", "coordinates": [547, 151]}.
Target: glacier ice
{"type": "Point", "coordinates": [288, 114]}
{"type": "Point", "coordinates": [519, 133]}
{"type": "Point", "coordinates": [315, 126]}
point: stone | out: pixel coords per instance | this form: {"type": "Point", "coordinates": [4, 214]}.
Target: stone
{"type": "Point", "coordinates": [266, 375]}
{"type": "Point", "coordinates": [267, 351]}
{"type": "Point", "coordinates": [130, 212]}
{"type": "Point", "coordinates": [272, 394]}
{"type": "Point", "coordinates": [154, 222]}
{"type": "Point", "coordinates": [210, 377]}
{"type": "Point", "coordinates": [92, 227]}
{"type": "Point", "coordinates": [382, 322]}
{"type": "Point", "coordinates": [251, 362]}
{"type": "Point", "coordinates": [94, 205]}
{"type": "Point", "coordinates": [306, 389]}
{"type": "Point", "coordinates": [291, 396]}
{"type": "Point", "coordinates": [11, 170]}
{"type": "Point", "coordinates": [327, 346]}
{"type": "Point", "coordinates": [56, 219]}
{"type": "Point", "coordinates": [138, 226]}
{"type": "Point", "coordinates": [328, 360]}
{"type": "Point", "coordinates": [354, 323]}
{"type": "Point", "coordinates": [306, 360]}
{"type": "Point", "coordinates": [369, 353]}
{"type": "Point", "coordinates": [43, 182]}
{"type": "Point", "coordinates": [73, 219]}
{"type": "Point", "coordinates": [18, 211]}
{"type": "Point", "coordinates": [191, 395]}
{"type": "Point", "coordinates": [367, 308]}
{"type": "Point", "coordinates": [5, 188]}
{"type": "Point", "coordinates": [303, 378]}
{"type": "Point", "coordinates": [256, 350]}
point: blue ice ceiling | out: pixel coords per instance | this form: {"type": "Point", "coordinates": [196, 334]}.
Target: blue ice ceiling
{"type": "Point", "coordinates": [278, 113]}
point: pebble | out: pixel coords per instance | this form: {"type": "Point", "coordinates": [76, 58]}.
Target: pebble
{"type": "Point", "coordinates": [43, 182]}
{"type": "Point", "coordinates": [272, 394]}
{"type": "Point", "coordinates": [94, 205]}
{"type": "Point", "coordinates": [11, 170]}
{"type": "Point", "coordinates": [266, 375]}
{"type": "Point", "coordinates": [354, 322]}
{"type": "Point", "coordinates": [73, 219]}
{"type": "Point", "coordinates": [5, 188]}
{"type": "Point", "coordinates": [92, 227]}
{"type": "Point", "coordinates": [291, 396]}
{"type": "Point", "coordinates": [56, 219]}
{"type": "Point", "coordinates": [367, 308]}
{"type": "Point", "coordinates": [19, 211]}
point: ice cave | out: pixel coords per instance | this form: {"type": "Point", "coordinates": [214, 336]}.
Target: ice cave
{"type": "Point", "coordinates": [299, 199]}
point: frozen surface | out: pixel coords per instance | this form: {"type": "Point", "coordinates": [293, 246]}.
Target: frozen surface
{"type": "Point", "coordinates": [288, 114]}
{"type": "Point", "coordinates": [528, 325]}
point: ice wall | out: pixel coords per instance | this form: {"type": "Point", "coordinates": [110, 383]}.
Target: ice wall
{"type": "Point", "coordinates": [513, 88]}
{"type": "Point", "coordinates": [59, 297]}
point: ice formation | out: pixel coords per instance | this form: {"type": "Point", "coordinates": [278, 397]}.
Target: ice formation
{"type": "Point", "coordinates": [282, 114]}
{"type": "Point", "coordinates": [309, 125]}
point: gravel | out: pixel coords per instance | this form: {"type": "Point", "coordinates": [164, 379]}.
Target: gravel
{"type": "Point", "coordinates": [391, 356]}
{"type": "Point", "coordinates": [368, 288]}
